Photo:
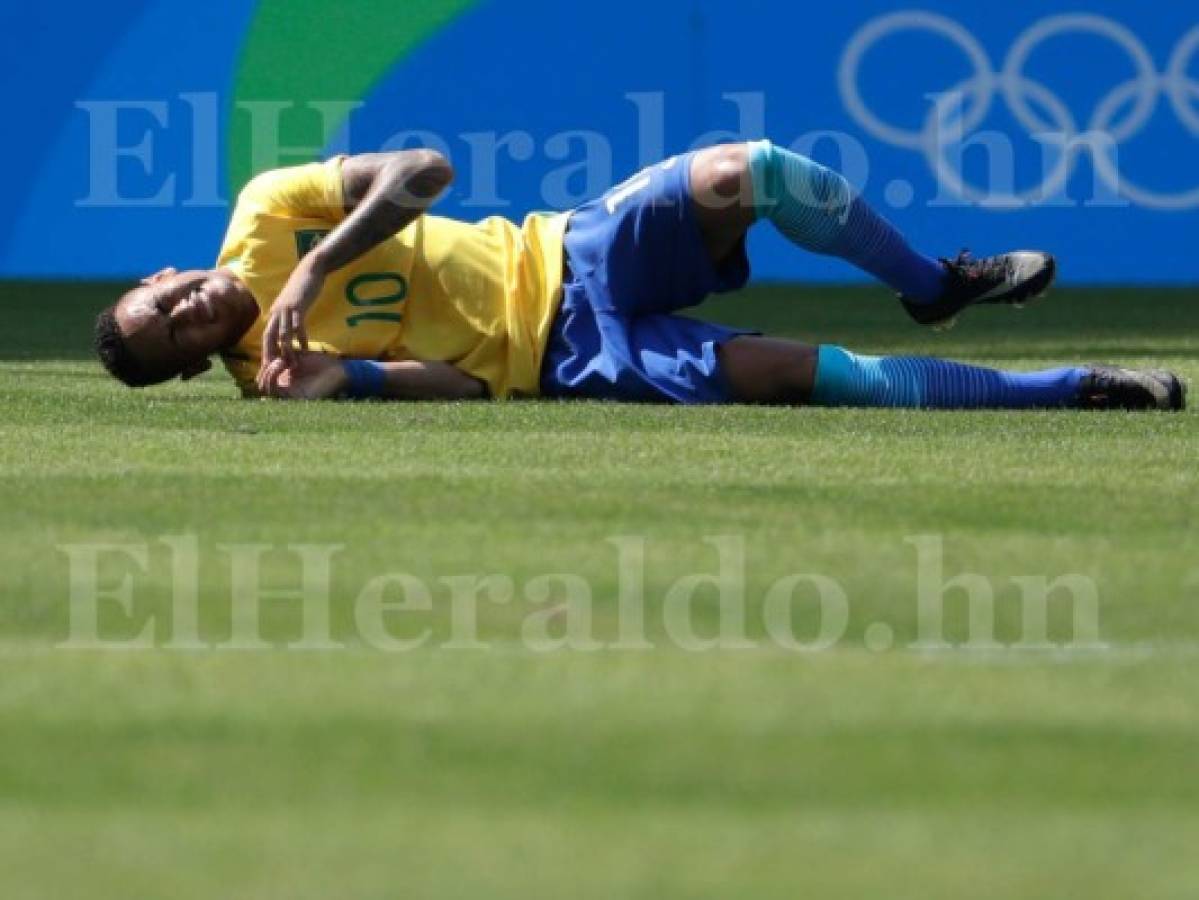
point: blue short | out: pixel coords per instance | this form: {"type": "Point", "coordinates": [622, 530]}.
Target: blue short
{"type": "Point", "coordinates": [634, 256]}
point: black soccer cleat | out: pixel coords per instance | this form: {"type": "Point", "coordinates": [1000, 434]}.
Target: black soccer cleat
{"type": "Point", "coordinates": [1112, 387]}
{"type": "Point", "coordinates": [1012, 278]}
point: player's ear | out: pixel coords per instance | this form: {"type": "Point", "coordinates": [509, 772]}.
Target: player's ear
{"type": "Point", "coordinates": [195, 369]}
{"type": "Point", "coordinates": [161, 274]}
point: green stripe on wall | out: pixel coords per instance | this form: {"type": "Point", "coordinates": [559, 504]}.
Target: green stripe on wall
{"type": "Point", "coordinates": [313, 50]}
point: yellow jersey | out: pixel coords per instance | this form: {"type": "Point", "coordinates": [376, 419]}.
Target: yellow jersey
{"type": "Point", "coordinates": [481, 297]}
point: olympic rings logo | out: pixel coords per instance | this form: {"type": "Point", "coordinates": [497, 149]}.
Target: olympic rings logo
{"type": "Point", "coordinates": [1118, 117]}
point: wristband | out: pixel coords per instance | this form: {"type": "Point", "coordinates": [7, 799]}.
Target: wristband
{"type": "Point", "coordinates": [367, 379]}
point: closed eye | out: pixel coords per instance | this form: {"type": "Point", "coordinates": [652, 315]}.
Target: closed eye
{"type": "Point", "coordinates": [160, 307]}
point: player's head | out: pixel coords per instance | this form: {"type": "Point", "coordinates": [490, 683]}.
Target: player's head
{"type": "Point", "coordinates": [170, 324]}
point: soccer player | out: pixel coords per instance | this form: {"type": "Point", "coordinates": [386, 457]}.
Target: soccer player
{"type": "Point", "coordinates": [333, 282]}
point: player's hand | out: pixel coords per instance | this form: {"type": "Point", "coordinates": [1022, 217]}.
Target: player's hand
{"type": "Point", "coordinates": [285, 325]}
{"type": "Point", "coordinates": [312, 376]}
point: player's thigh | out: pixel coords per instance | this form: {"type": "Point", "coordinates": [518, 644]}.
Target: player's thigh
{"type": "Point", "coordinates": [768, 370]}
{"type": "Point", "coordinates": [722, 195]}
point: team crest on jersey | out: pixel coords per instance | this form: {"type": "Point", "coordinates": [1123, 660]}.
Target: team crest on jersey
{"type": "Point", "coordinates": [307, 240]}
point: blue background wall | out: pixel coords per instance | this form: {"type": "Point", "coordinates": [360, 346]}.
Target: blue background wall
{"type": "Point", "coordinates": [549, 67]}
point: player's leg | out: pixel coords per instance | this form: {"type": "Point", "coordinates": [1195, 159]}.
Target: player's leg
{"type": "Point", "coordinates": [770, 371]}
{"type": "Point", "coordinates": [722, 197]}
{"type": "Point", "coordinates": [765, 370]}
{"type": "Point", "coordinates": [849, 379]}
{"type": "Point", "coordinates": [815, 208]}
{"type": "Point", "coordinates": [736, 185]}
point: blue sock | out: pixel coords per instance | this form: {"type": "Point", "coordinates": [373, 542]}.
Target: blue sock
{"type": "Point", "coordinates": [847, 379]}
{"type": "Point", "coordinates": [815, 208]}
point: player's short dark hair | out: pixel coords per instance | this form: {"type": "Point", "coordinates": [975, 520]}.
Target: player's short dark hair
{"type": "Point", "coordinates": [114, 354]}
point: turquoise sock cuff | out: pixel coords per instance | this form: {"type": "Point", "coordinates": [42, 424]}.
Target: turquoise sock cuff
{"type": "Point", "coordinates": [766, 175]}
{"type": "Point", "coordinates": [835, 371]}
{"type": "Point", "coordinates": [809, 203]}
{"type": "Point", "coordinates": [852, 379]}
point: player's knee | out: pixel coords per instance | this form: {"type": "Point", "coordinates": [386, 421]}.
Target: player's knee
{"type": "Point", "coordinates": [770, 371]}
{"type": "Point", "coordinates": [796, 375]}
{"type": "Point", "coordinates": [721, 175]}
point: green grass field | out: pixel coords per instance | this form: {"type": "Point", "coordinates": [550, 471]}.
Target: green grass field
{"type": "Point", "coordinates": [662, 773]}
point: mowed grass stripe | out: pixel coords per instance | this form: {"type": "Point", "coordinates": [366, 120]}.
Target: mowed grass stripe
{"type": "Point", "coordinates": [661, 774]}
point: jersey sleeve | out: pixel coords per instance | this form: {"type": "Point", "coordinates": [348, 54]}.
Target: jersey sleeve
{"type": "Point", "coordinates": [313, 191]}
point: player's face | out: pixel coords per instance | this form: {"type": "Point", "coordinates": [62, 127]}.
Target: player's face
{"type": "Point", "coordinates": [179, 319]}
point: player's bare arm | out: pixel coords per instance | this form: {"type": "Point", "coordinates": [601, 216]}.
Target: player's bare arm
{"type": "Point", "coordinates": [318, 376]}
{"type": "Point", "coordinates": [384, 194]}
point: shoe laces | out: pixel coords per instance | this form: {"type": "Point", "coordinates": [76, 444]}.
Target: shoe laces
{"type": "Point", "coordinates": [966, 267]}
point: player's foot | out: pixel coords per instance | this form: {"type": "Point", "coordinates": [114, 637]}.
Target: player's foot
{"type": "Point", "coordinates": [1111, 387]}
{"type": "Point", "coordinates": [1013, 278]}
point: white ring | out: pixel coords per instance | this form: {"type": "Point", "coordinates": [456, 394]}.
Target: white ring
{"type": "Point", "coordinates": [1058, 178]}
{"type": "Point", "coordinates": [1125, 187]}
{"type": "Point", "coordinates": [973, 98]}
{"type": "Point", "coordinates": [1146, 79]}
{"type": "Point", "coordinates": [871, 33]}
{"type": "Point", "coordinates": [1179, 84]}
